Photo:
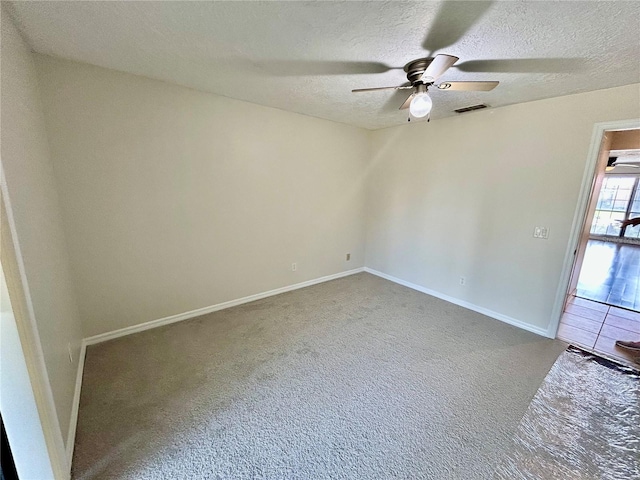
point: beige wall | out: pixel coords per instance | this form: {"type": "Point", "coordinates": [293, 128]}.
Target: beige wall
{"type": "Point", "coordinates": [34, 204]}
{"type": "Point", "coordinates": [461, 196]}
{"type": "Point", "coordinates": [625, 140]}
{"type": "Point", "coordinates": [176, 199]}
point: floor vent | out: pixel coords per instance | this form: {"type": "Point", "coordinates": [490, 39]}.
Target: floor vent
{"type": "Point", "coordinates": [471, 108]}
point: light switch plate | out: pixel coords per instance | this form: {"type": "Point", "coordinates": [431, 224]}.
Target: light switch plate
{"type": "Point", "coordinates": [541, 232]}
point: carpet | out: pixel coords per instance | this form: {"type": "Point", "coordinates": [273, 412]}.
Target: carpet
{"type": "Point", "coordinates": [354, 378]}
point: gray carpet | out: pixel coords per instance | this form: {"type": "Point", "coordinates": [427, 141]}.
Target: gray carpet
{"type": "Point", "coordinates": [353, 378]}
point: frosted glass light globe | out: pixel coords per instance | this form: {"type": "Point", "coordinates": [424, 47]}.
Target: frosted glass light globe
{"type": "Point", "coordinates": [420, 105]}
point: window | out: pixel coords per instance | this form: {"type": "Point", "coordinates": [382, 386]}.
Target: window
{"type": "Point", "coordinates": [634, 211]}
{"type": "Point", "coordinates": [619, 199]}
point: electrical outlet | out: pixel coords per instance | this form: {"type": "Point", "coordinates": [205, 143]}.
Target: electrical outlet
{"type": "Point", "coordinates": [70, 352]}
{"type": "Point", "coordinates": [348, 257]}
{"type": "Point", "coordinates": [463, 281]}
{"type": "Point", "coordinates": [294, 267]}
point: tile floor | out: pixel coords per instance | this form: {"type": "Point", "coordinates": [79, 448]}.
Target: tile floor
{"type": "Point", "coordinates": [596, 326]}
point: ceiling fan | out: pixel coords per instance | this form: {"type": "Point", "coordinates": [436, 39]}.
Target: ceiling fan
{"type": "Point", "coordinates": [422, 74]}
{"type": "Point", "coordinates": [629, 158]}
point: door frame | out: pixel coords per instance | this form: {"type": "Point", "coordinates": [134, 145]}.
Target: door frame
{"type": "Point", "coordinates": [580, 214]}
{"type": "Point", "coordinates": [585, 233]}
{"type": "Point", "coordinates": [28, 409]}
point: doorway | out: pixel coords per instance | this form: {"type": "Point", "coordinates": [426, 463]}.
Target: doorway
{"type": "Point", "coordinates": [7, 465]}
{"type": "Point", "coordinates": [28, 416]}
{"type": "Point", "coordinates": [602, 303]}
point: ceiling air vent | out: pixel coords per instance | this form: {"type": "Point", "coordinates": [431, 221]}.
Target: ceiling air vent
{"type": "Point", "coordinates": [471, 108]}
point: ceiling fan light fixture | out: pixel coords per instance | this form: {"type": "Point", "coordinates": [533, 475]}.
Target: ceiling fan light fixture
{"type": "Point", "coordinates": [422, 73]}
{"type": "Point", "coordinates": [421, 105]}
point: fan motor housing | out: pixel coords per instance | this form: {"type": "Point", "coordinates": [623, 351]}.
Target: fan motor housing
{"type": "Point", "coordinates": [416, 68]}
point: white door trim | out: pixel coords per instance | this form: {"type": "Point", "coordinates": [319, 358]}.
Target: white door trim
{"type": "Point", "coordinates": [580, 212]}
{"type": "Point", "coordinates": [23, 313]}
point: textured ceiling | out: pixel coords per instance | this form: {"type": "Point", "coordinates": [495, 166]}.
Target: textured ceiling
{"type": "Point", "coordinates": [307, 56]}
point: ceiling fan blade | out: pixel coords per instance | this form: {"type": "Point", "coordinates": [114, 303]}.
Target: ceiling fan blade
{"type": "Point", "coordinates": [523, 65]}
{"type": "Point", "coordinates": [439, 65]}
{"type": "Point", "coordinates": [452, 21]}
{"type": "Point", "coordinates": [407, 102]}
{"type": "Point", "coordinates": [284, 68]}
{"type": "Point", "coordinates": [392, 100]}
{"type": "Point", "coordinates": [400, 87]}
{"type": "Point", "coordinates": [468, 86]}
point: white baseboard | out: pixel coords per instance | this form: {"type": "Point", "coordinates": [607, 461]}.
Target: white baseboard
{"type": "Point", "coordinates": [232, 303]}
{"type": "Point", "coordinates": [73, 421]}
{"type": "Point", "coordinates": [462, 303]}
{"type": "Point", "coordinates": [103, 337]}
